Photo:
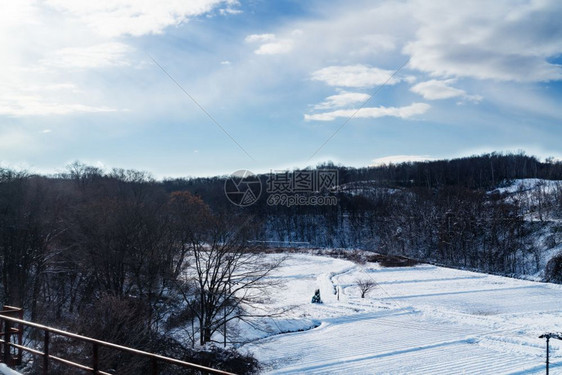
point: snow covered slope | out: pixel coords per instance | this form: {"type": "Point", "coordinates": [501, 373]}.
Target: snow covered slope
{"type": "Point", "coordinates": [419, 320]}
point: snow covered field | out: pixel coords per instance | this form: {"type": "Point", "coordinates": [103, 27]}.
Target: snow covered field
{"type": "Point", "coordinates": [419, 320]}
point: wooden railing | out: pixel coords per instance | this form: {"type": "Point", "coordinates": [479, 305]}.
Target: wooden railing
{"type": "Point", "coordinates": [14, 326]}
{"type": "Point", "coordinates": [11, 331]}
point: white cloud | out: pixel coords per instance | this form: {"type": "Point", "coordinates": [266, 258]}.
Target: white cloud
{"type": "Point", "coordinates": [230, 8]}
{"type": "Point", "coordinates": [30, 105]}
{"type": "Point", "coordinates": [14, 13]}
{"type": "Point", "coordinates": [253, 38]}
{"type": "Point", "coordinates": [96, 56]}
{"type": "Point", "coordinates": [50, 43]}
{"type": "Point", "coordinates": [397, 159]}
{"type": "Point", "coordinates": [39, 48]}
{"type": "Point", "coordinates": [502, 40]}
{"type": "Point", "coordinates": [515, 99]}
{"type": "Point", "coordinates": [367, 32]}
{"type": "Point", "coordinates": [275, 48]}
{"type": "Point", "coordinates": [43, 40]}
{"type": "Point", "coordinates": [271, 45]}
{"type": "Point", "coordinates": [509, 41]}
{"type": "Point", "coordinates": [135, 17]}
{"type": "Point", "coordinates": [29, 92]}
{"type": "Point", "coordinates": [377, 42]}
{"type": "Point", "coordinates": [342, 99]}
{"type": "Point", "coordinates": [371, 112]}
{"type": "Point", "coordinates": [47, 88]}
{"type": "Point", "coordinates": [436, 89]}
{"type": "Point", "coordinates": [354, 76]}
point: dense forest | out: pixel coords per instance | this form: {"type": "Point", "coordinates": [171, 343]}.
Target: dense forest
{"type": "Point", "coordinates": [446, 211]}
{"type": "Point", "coordinates": [115, 257]}
{"type": "Point", "coordinates": [121, 256]}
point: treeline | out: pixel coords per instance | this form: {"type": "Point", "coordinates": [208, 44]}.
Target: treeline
{"type": "Point", "coordinates": [441, 211]}
{"type": "Point", "coordinates": [114, 256]}
{"type": "Point", "coordinates": [475, 172]}
{"type": "Point", "coordinates": [452, 226]}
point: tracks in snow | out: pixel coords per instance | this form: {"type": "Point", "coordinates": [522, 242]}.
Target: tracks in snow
{"type": "Point", "coordinates": [428, 321]}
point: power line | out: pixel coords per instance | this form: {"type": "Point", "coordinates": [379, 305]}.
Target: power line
{"type": "Point", "coordinates": [200, 107]}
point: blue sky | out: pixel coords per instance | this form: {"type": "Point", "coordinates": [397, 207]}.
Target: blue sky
{"type": "Point", "coordinates": [280, 77]}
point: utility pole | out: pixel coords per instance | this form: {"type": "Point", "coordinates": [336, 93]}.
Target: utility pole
{"type": "Point", "coordinates": [548, 336]}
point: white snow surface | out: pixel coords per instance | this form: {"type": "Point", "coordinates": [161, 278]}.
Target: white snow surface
{"type": "Point", "coordinates": [418, 320]}
{"type": "Point", "coordinates": [530, 184]}
{"type": "Point", "coordinates": [5, 370]}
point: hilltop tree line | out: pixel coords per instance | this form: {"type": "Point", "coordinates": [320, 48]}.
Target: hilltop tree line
{"type": "Point", "coordinates": [446, 211]}
{"type": "Point", "coordinates": [475, 172]}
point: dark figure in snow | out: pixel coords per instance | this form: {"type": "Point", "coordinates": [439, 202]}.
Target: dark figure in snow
{"type": "Point", "coordinates": [316, 297]}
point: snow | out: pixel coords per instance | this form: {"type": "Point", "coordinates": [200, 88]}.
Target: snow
{"type": "Point", "coordinates": [419, 320]}
{"type": "Point", "coordinates": [536, 197]}
{"type": "Point", "coordinates": [365, 187]}
{"type": "Point", "coordinates": [5, 370]}
{"type": "Point", "coordinates": [530, 184]}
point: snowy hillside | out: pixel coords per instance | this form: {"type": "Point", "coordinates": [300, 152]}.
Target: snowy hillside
{"type": "Point", "coordinates": [539, 199]}
{"type": "Point", "coordinates": [418, 320]}
{"type": "Point", "coordinates": [540, 202]}
{"type": "Point", "coordinates": [530, 184]}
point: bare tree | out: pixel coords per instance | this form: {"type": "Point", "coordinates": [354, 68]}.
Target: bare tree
{"type": "Point", "coordinates": [29, 223]}
{"type": "Point", "coordinates": [227, 277]}
{"type": "Point", "coordinates": [365, 286]}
